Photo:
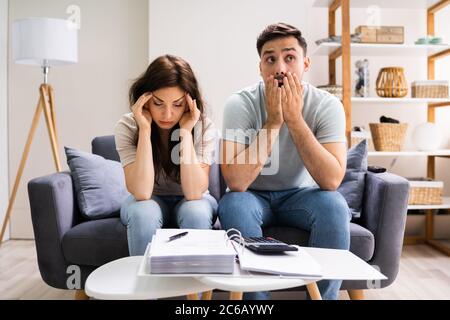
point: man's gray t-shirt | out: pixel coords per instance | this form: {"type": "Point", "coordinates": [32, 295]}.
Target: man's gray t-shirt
{"type": "Point", "coordinates": [284, 169]}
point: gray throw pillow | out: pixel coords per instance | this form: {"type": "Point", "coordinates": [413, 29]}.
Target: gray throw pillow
{"type": "Point", "coordinates": [99, 184]}
{"type": "Point", "coordinates": [352, 186]}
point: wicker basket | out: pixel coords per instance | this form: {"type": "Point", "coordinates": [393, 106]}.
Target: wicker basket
{"type": "Point", "coordinates": [391, 83]}
{"type": "Point", "coordinates": [429, 89]}
{"type": "Point", "coordinates": [333, 89]}
{"type": "Point", "coordinates": [388, 136]}
{"type": "Point", "coordinates": [358, 136]}
{"type": "Point", "coordinates": [425, 191]}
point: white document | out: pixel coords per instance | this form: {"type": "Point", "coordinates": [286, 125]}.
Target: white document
{"type": "Point", "coordinates": [291, 263]}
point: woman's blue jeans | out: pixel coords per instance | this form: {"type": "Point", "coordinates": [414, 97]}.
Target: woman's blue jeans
{"type": "Point", "coordinates": [143, 218]}
{"type": "Point", "coordinates": [325, 214]}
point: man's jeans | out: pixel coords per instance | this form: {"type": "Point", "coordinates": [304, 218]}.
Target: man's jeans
{"type": "Point", "coordinates": [324, 213]}
{"type": "Point", "coordinates": [143, 218]}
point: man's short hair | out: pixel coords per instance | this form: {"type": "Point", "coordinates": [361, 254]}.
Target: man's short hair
{"type": "Point", "coordinates": [280, 30]}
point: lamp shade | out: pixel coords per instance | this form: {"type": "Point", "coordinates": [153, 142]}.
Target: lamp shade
{"type": "Point", "coordinates": [44, 42]}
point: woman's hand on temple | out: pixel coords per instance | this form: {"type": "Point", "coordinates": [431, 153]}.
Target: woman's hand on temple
{"type": "Point", "coordinates": [191, 116]}
{"type": "Point", "coordinates": [142, 113]}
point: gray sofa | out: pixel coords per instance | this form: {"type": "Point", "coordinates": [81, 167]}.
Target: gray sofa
{"type": "Point", "coordinates": [64, 237]}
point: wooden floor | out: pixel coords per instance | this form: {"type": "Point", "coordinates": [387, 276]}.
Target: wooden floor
{"type": "Point", "coordinates": [424, 274]}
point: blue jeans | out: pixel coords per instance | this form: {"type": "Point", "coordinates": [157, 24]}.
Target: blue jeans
{"type": "Point", "coordinates": [325, 214]}
{"type": "Point", "coordinates": [143, 218]}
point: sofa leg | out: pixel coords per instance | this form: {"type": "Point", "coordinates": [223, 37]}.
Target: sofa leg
{"type": "Point", "coordinates": [81, 295]}
{"type": "Point", "coordinates": [356, 294]}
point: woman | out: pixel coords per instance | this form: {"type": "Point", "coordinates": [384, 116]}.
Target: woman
{"type": "Point", "coordinates": [166, 146]}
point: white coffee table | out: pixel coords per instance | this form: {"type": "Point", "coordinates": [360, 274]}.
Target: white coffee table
{"type": "Point", "coordinates": [119, 279]}
{"type": "Point", "coordinates": [336, 265]}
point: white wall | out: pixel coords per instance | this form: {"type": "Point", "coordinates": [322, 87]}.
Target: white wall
{"type": "Point", "coordinates": [90, 95]}
{"type": "Point", "coordinates": [218, 39]}
{"type": "Point", "coordinates": [4, 192]}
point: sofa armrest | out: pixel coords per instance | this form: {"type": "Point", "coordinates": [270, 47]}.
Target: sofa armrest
{"type": "Point", "coordinates": [384, 212]}
{"type": "Point", "coordinates": [53, 213]}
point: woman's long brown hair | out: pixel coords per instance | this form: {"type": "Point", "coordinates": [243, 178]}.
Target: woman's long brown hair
{"type": "Point", "coordinates": [166, 71]}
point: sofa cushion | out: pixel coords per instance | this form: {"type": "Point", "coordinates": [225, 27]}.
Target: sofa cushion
{"type": "Point", "coordinates": [362, 241]}
{"type": "Point", "coordinates": [99, 184]}
{"type": "Point", "coordinates": [352, 186]}
{"type": "Point", "coordinates": [96, 242]}
{"type": "Point", "coordinates": [105, 146]}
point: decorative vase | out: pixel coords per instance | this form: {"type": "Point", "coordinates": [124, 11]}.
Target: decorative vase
{"type": "Point", "coordinates": [362, 80]}
{"type": "Point", "coordinates": [427, 136]}
{"type": "Point", "coordinates": [391, 83]}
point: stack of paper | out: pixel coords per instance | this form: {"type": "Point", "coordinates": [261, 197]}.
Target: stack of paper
{"type": "Point", "coordinates": [200, 251]}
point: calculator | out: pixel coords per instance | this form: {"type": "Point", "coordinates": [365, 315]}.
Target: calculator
{"type": "Point", "coordinates": [266, 245]}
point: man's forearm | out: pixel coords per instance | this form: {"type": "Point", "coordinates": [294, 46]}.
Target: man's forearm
{"type": "Point", "coordinates": [243, 167]}
{"type": "Point", "coordinates": [323, 166]}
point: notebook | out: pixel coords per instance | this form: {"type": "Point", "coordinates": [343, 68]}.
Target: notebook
{"type": "Point", "coordinates": [197, 252]}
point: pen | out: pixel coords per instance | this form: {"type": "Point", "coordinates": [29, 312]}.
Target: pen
{"type": "Point", "coordinates": [179, 235]}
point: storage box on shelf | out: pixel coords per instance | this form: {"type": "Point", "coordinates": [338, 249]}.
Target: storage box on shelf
{"type": "Point", "coordinates": [425, 191]}
{"type": "Point", "coordinates": [380, 34]}
{"type": "Point", "coordinates": [429, 89]}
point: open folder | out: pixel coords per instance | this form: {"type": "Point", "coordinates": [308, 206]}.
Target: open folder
{"type": "Point", "coordinates": [208, 252]}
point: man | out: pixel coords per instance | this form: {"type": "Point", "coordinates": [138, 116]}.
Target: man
{"type": "Point", "coordinates": [300, 131]}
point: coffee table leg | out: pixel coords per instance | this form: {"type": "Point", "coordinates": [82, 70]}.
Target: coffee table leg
{"type": "Point", "coordinates": [207, 295]}
{"type": "Point", "coordinates": [236, 295]}
{"type": "Point", "coordinates": [313, 291]}
{"type": "Point", "coordinates": [81, 295]}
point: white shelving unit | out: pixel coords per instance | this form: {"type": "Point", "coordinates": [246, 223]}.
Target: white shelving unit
{"type": "Point", "coordinates": [345, 50]}
{"type": "Point", "coordinates": [398, 101]}
{"type": "Point", "coordinates": [411, 153]}
{"type": "Point", "coordinates": [391, 4]}
{"type": "Point", "coordinates": [444, 205]}
{"type": "Point", "coordinates": [375, 49]}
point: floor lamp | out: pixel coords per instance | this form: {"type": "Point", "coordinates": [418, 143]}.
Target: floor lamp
{"type": "Point", "coordinates": [42, 42]}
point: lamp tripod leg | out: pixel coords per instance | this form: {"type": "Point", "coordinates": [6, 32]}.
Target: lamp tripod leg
{"type": "Point", "coordinates": [52, 111]}
{"type": "Point", "coordinates": [49, 118]}
{"type": "Point", "coordinates": [25, 153]}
